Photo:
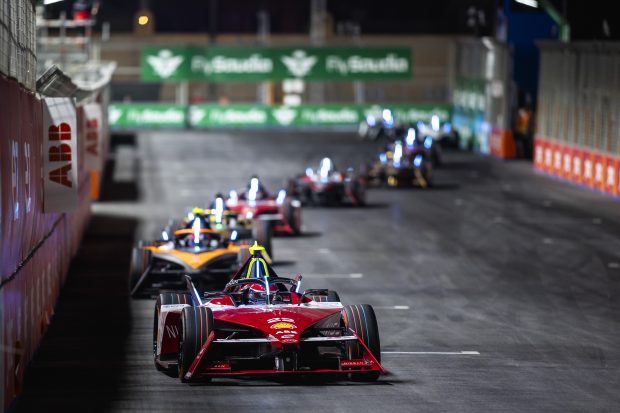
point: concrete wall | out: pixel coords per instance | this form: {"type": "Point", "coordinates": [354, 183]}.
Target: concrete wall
{"type": "Point", "coordinates": [578, 122]}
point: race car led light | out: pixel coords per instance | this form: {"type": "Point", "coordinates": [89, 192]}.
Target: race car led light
{"type": "Point", "coordinates": [196, 229]}
{"type": "Point", "coordinates": [233, 236]}
{"type": "Point", "coordinates": [428, 142]}
{"type": "Point", "coordinates": [233, 196]}
{"type": "Point", "coordinates": [281, 196]}
{"type": "Point", "coordinates": [164, 235]}
{"type": "Point", "coordinates": [371, 121]}
{"type": "Point", "coordinates": [252, 196]}
{"type": "Point", "coordinates": [410, 139]}
{"type": "Point", "coordinates": [435, 123]}
{"type": "Point", "coordinates": [219, 209]}
{"type": "Point", "coordinates": [309, 172]}
{"type": "Point", "coordinates": [190, 216]}
{"type": "Point", "coordinates": [267, 290]}
{"type": "Point", "coordinates": [249, 215]}
{"type": "Point", "coordinates": [325, 167]}
{"type": "Point", "coordinates": [254, 184]}
{"type": "Point", "coordinates": [417, 161]}
{"type": "Point", "coordinates": [383, 158]}
{"type": "Point", "coordinates": [447, 127]}
{"type": "Point", "coordinates": [398, 154]}
{"type": "Point", "coordinates": [388, 118]}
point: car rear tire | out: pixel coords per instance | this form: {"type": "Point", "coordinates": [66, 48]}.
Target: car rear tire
{"type": "Point", "coordinates": [166, 299]}
{"type": "Point", "coordinates": [362, 320]}
{"type": "Point", "coordinates": [196, 326]}
{"type": "Point", "coordinates": [293, 216]}
{"type": "Point", "coordinates": [136, 267]}
{"type": "Point", "coordinates": [262, 232]}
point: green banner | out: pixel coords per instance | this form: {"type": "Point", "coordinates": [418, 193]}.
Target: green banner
{"type": "Point", "coordinates": [222, 64]}
{"type": "Point", "coordinates": [147, 115]}
{"type": "Point", "coordinates": [128, 115]}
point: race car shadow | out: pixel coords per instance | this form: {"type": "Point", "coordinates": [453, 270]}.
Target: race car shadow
{"type": "Point", "coordinates": [283, 263]}
{"type": "Point", "coordinates": [287, 381]}
{"type": "Point", "coordinates": [309, 234]}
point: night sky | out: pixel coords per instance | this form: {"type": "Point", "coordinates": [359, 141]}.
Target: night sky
{"type": "Point", "coordinates": [373, 16]}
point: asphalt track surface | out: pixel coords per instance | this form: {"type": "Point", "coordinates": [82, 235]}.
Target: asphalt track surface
{"type": "Point", "coordinates": [499, 287]}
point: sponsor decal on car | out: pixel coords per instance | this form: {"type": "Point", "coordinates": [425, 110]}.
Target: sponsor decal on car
{"type": "Point", "coordinates": [283, 325]}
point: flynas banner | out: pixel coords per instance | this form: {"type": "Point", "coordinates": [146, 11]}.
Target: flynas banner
{"type": "Point", "coordinates": [128, 115]}
{"type": "Point", "coordinates": [147, 115]}
{"type": "Point", "coordinates": [222, 64]}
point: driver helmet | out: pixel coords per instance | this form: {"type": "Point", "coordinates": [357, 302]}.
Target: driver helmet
{"type": "Point", "coordinates": [257, 293]}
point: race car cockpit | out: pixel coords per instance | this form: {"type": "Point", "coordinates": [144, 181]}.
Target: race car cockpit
{"type": "Point", "coordinates": [197, 238]}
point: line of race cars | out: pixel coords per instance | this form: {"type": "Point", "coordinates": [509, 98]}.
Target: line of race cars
{"type": "Point", "coordinates": [411, 151]}
{"type": "Point", "coordinates": [258, 323]}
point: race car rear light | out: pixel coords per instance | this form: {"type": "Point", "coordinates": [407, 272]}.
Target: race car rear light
{"type": "Point", "coordinates": [220, 365]}
{"type": "Point", "coordinates": [356, 363]}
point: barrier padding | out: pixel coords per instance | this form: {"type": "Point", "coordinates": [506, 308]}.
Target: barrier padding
{"type": "Point", "coordinates": [584, 167]}
{"type": "Point", "coordinates": [35, 248]}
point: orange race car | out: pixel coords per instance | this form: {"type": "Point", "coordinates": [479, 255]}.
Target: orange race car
{"type": "Point", "coordinates": [202, 253]}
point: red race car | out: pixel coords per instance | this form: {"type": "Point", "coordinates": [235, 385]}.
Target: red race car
{"type": "Point", "coordinates": [261, 325]}
{"type": "Point", "coordinates": [283, 211]}
{"type": "Point", "coordinates": [327, 186]}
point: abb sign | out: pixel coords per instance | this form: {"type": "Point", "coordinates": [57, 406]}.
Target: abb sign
{"type": "Point", "coordinates": [93, 147]}
{"type": "Point", "coordinates": [60, 155]}
{"type": "Point", "coordinates": [584, 167]}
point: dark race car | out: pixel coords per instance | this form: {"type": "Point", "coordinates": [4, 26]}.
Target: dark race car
{"type": "Point", "coordinates": [403, 165]}
{"type": "Point", "coordinates": [282, 211]}
{"type": "Point", "coordinates": [328, 186]}
{"type": "Point", "coordinates": [238, 228]}
{"type": "Point", "coordinates": [262, 325]}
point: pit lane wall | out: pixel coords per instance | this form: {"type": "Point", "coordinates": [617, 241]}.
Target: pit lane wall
{"type": "Point", "coordinates": [578, 124]}
{"type": "Point", "coordinates": [35, 246]}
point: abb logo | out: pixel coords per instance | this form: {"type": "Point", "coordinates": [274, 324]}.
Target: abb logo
{"type": "Point", "coordinates": [60, 153]}
{"type": "Point", "coordinates": [92, 137]}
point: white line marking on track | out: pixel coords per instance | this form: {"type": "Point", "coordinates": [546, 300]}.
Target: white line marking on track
{"type": "Point", "coordinates": [439, 353]}
{"type": "Point", "coordinates": [614, 265]}
{"type": "Point", "coordinates": [352, 275]}
{"type": "Point", "coordinates": [324, 250]}
{"type": "Point", "coordinates": [391, 307]}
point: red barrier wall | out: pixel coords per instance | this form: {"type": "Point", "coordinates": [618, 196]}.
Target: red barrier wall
{"type": "Point", "coordinates": [35, 248]}
{"type": "Point", "coordinates": [580, 166]}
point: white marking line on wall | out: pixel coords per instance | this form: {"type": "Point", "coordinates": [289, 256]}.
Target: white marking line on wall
{"type": "Point", "coordinates": [352, 275]}
{"type": "Point", "coordinates": [391, 307]}
{"type": "Point", "coordinates": [431, 353]}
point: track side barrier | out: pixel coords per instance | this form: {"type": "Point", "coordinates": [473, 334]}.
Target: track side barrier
{"type": "Point", "coordinates": [35, 247]}
{"type": "Point", "coordinates": [577, 165]}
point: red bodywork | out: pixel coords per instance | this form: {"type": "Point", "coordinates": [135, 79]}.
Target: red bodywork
{"type": "Point", "coordinates": [267, 207]}
{"type": "Point", "coordinates": [282, 328]}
